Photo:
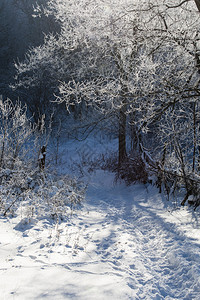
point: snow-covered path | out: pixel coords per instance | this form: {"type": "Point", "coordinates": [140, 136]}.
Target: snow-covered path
{"type": "Point", "coordinates": [123, 244]}
{"type": "Point", "coordinates": [157, 260]}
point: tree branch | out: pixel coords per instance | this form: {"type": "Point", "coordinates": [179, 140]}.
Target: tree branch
{"type": "Point", "coordinates": [180, 4]}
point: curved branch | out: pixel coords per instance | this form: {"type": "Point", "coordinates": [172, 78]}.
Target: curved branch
{"type": "Point", "coordinates": [177, 5]}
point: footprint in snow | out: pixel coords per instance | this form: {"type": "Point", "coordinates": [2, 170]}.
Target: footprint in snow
{"type": "Point", "coordinates": [20, 249]}
{"type": "Point", "coordinates": [132, 266]}
{"type": "Point", "coordinates": [131, 286]}
{"type": "Point", "coordinates": [35, 242]}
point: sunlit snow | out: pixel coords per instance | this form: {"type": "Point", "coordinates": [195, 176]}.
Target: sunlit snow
{"type": "Point", "coordinates": [124, 243]}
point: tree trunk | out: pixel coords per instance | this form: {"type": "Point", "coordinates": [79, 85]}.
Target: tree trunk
{"type": "Point", "coordinates": [122, 134]}
{"type": "Point", "coordinates": [194, 137]}
{"type": "Point", "coordinates": [2, 153]}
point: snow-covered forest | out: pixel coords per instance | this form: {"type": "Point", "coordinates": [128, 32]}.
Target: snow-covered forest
{"type": "Point", "coordinates": [100, 149]}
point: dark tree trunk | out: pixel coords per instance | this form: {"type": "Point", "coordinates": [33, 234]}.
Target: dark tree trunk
{"type": "Point", "coordinates": [122, 134]}
{"type": "Point", "coordinates": [42, 158]}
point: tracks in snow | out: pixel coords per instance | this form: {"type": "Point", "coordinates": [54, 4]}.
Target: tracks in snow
{"type": "Point", "coordinates": [117, 247]}
{"type": "Point", "coordinates": [156, 260]}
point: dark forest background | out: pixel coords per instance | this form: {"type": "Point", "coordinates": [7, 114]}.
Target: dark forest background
{"type": "Point", "coordinates": [19, 31]}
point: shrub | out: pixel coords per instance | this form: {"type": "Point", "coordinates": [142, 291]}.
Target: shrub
{"type": "Point", "coordinates": [51, 197]}
{"type": "Point", "coordinates": [131, 170]}
{"type": "Point", "coordinates": [23, 184]}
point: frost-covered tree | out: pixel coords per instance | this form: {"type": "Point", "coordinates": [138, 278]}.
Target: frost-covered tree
{"type": "Point", "coordinates": [95, 57]}
{"type": "Point", "coordinates": [137, 63]}
{"type": "Point", "coordinates": [173, 109]}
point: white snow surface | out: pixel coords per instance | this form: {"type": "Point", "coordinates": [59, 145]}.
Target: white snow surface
{"type": "Point", "coordinates": [123, 243]}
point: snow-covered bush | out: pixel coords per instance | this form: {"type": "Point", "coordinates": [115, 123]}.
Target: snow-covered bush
{"type": "Point", "coordinates": [132, 170]}
{"type": "Point", "coordinates": [16, 132]}
{"type": "Point", "coordinates": [51, 197]}
{"type": "Point", "coordinates": [24, 184]}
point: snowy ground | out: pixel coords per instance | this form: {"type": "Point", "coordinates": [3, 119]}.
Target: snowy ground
{"type": "Point", "coordinates": [125, 243]}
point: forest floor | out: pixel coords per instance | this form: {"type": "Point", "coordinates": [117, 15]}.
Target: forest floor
{"type": "Point", "coordinates": [123, 243]}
